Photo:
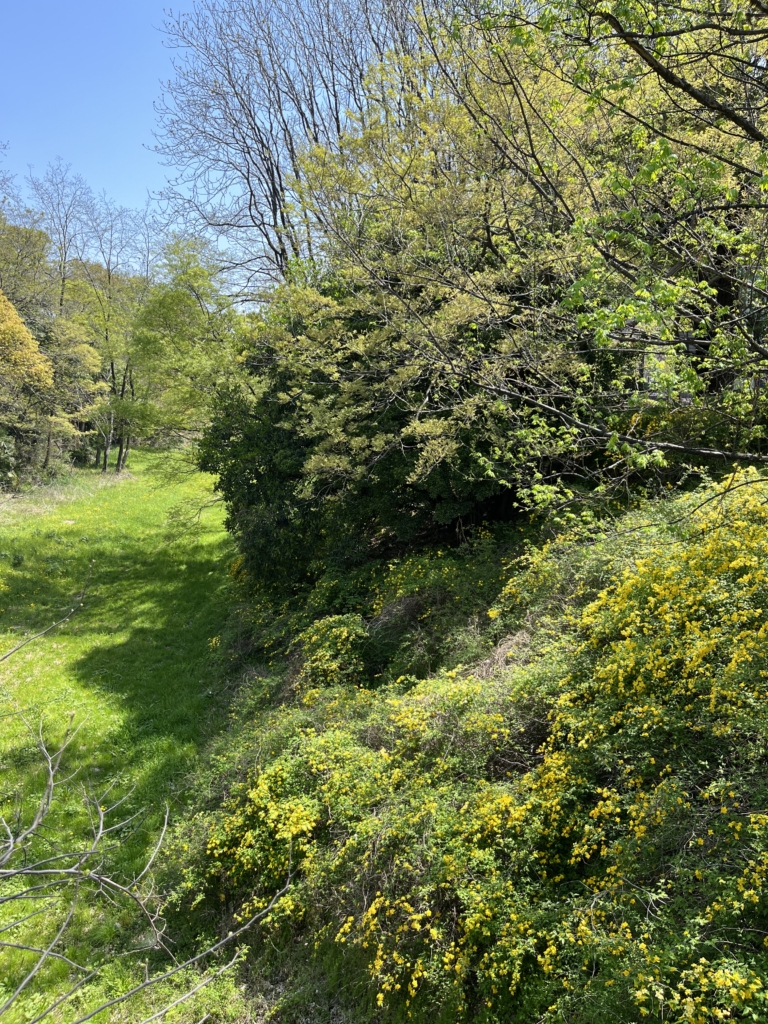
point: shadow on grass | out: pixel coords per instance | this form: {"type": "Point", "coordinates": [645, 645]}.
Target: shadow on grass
{"type": "Point", "coordinates": [166, 605]}
{"type": "Point", "coordinates": [139, 645]}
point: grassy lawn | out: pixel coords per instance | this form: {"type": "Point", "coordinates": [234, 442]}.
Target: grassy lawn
{"type": "Point", "coordinates": [133, 665]}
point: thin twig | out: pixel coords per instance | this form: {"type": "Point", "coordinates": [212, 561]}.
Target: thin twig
{"type": "Point", "coordinates": [44, 956]}
{"type": "Point", "coordinates": [79, 597]}
{"type": "Point", "coordinates": [38, 635]}
{"type": "Point", "coordinates": [193, 991]}
{"type": "Point", "coordinates": [192, 960]}
{"type": "Point", "coordinates": [48, 953]}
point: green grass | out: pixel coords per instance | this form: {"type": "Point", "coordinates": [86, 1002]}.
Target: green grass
{"type": "Point", "coordinates": [133, 665]}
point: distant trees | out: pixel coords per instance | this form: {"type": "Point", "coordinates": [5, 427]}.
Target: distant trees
{"type": "Point", "coordinates": [186, 341]}
{"type": "Point", "coordinates": [109, 290]}
{"type": "Point", "coordinates": [79, 270]}
{"type": "Point", "coordinates": [495, 252]}
{"type": "Point", "coordinates": [25, 277]}
{"type": "Point", "coordinates": [62, 200]}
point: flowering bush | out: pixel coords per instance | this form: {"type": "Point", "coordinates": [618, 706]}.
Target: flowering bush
{"type": "Point", "coordinates": [330, 650]}
{"type": "Point", "coordinates": [584, 838]}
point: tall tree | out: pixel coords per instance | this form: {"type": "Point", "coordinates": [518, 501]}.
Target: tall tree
{"type": "Point", "coordinates": [25, 270]}
{"type": "Point", "coordinates": [186, 340]}
{"type": "Point", "coordinates": [63, 199]}
{"type": "Point", "coordinates": [255, 83]}
{"type": "Point", "coordinates": [541, 277]}
{"type": "Point", "coordinates": [26, 387]}
{"type": "Point", "coordinates": [111, 291]}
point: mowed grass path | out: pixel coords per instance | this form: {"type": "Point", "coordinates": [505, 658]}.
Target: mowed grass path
{"type": "Point", "coordinates": [133, 665]}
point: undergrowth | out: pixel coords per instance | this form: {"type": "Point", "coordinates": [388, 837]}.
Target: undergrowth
{"type": "Point", "coordinates": [573, 828]}
{"type": "Point", "coordinates": [518, 779]}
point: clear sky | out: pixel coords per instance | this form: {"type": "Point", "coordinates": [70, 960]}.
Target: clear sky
{"type": "Point", "coordinates": [77, 81]}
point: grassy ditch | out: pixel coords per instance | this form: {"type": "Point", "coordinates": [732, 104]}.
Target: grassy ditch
{"type": "Point", "coordinates": [131, 669]}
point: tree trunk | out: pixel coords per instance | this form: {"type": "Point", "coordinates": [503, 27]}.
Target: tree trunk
{"type": "Point", "coordinates": [47, 458]}
{"type": "Point", "coordinates": [98, 455]}
{"type": "Point", "coordinates": [108, 442]}
{"type": "Point", "coordinates": [120, 449]}
{"type": "Point", "coordinates": [122, 457]}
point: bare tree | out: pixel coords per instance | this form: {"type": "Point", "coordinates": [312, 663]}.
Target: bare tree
{"type": "Point", "coordinates": [8, 188]}
{"type": "Point", "coordinates": [255, 83]}
{"type": "Point", "coordinates": [38, 879]}
{"type": "Point", "coordinates": [149, 240]}
{"type": "Point", "coordinates": [62, 199]}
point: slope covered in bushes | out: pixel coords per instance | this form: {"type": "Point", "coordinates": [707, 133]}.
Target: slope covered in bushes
{"type": "Point", "coordinates": [574, 829]}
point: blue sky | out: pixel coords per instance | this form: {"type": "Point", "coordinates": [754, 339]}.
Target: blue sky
{"type": "Point", "coordinates": [77, 81]}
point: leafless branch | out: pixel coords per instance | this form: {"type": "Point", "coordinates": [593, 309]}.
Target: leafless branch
{"type": "Point", "coordinates": [79, 875]}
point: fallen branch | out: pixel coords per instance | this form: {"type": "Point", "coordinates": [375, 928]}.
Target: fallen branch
{"type": "Point", "coordinates": [70, 613]}
{"type": "Point", "coordinates": [189, 963]}
{"type": "Point", "coordinates": [78, 875]}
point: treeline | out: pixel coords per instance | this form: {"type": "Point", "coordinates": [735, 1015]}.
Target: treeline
{"type": "Point", "coordinates": [498, 256]}
{"type": "Point", "coordinates": [113, 329]}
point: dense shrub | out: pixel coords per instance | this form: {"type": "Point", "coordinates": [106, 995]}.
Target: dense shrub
{"type": "Point", "coordinates": [418, 605]}
{"type": "Point", "coordinates": [582, 836]}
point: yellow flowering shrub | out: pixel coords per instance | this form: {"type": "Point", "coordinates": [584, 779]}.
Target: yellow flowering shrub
{"type": "Point", "coordinates": [581, 839]}
{"type": "Point", "coordinates": [330, 650]}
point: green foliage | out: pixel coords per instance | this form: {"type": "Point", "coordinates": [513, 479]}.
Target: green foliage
{"type": "Point", "coordinates": [499, 318]}
{"type": "Point", "coordinates": [534, 299]}
{"type": "Point", "coordinates": [53, 426]}
{"type": "Point", "coordinates": [136, 347]}
{"type": "Point", "coordinates": [184, 344]}
{"type": "Point", "coordinates": [24, 270]}
{"type": "Point", "coordinates": [576, 836]}
{"type": "Point", "coordinates": [419, 608]}
{"type": "Point", "coordinates": [26, 387]}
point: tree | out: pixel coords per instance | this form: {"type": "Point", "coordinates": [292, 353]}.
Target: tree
{"type": "Point", "coordinates": [185, 342]}
{"type": "Point", "coordinates": [255, 83]}
{"type": "Point", "coordinates": [534, 283]}
{"type": "Point", "coordinates": [597, 282]}
{"type": "Point", "coordinates": [25, 271]}
{"type": "Point", "coordinates": [110, 291]}
{"type": "Point", "coordinates": [26, 385]}
{"type": "Point", "coordinates": [78, 267]}
{"type": "Point", "coordinates": [30, 281]}
{"type": "Point", "coordinates": [8, 189]}
{"type": "Point", "coordinates": [62, 198]}
{"type": "Point", "coordinates": [35, 881]}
